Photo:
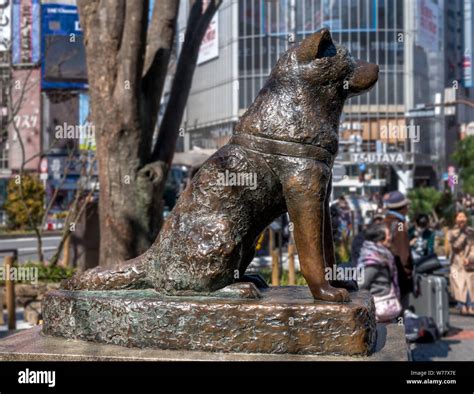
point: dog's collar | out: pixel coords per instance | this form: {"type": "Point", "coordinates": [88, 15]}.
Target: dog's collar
{"type": "Point", "coordinates": [282, 148]}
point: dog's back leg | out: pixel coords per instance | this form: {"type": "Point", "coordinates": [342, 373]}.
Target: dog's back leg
{"type": "Point", "coordinates": [130, 274]}
{"type": "Point", "coordinates": [305, 185]}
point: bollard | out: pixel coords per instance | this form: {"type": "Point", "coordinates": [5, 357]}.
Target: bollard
{"type": "Point", "coordinates": [275, 268]}
{"type": "Point", "coordinates": [10, 293]}
{"type": "Point", "coordinates": [271, 240]}
{"type": "Point", "coordinates": [291, 265]}
{"type": "Point", "coordinates": [274, 256]}
{"type": "Point", "coordinates": [2, 295]}
{"type": "Point", "coordinates": [65, 260]}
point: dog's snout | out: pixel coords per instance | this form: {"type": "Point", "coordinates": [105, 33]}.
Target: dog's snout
{"type": "Point", "coordinates": [365, 76]}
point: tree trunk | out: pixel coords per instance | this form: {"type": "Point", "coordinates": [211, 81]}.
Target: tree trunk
{"type": "Point", "coordinates": [126, 64]}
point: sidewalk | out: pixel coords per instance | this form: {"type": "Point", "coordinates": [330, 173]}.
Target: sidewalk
{"type": "Point", "coordinates": [30, 235]}
{"type": "Point", "coordinates": [20, 324]}
{"type": "Point", "coordinates": [457, 345]}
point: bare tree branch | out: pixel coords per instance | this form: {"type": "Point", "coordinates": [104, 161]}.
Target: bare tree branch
{"type": "Point", "coordinates": [169, 130]}
{"type": "Point", "coordinates": [161, 33]}
{"type": "Point", "coordinates": [131, 59]}
{"type": "Point", "coordinates": [77, 207]}
{"type": "Point", "coordinates": [160, 38]}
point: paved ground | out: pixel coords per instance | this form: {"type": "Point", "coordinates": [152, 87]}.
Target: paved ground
{"type": "Point", "coordinates": [27, 247]}
{"type": "Point", "coordinates": [20, 323]}
{"type": "Point", "coordinates": [457, 345]}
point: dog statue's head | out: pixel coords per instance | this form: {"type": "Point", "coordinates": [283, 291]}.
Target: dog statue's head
{"type": "Point", "coordinates": [303, 98]}
{"type": "Point", "coordinates": [321, 63]}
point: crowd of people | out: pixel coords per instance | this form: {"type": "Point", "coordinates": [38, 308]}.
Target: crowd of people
{"type": "Point", "coordinates": [391, 246]}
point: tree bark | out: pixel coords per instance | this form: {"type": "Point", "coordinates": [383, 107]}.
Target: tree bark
{"type": "Point", "coordinates": [127, 61]}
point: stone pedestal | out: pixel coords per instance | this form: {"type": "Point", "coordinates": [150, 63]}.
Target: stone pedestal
{"type": "Point", "coordinates": [31, 345]}
{"type": "Point", "coordinates": [285, 320]}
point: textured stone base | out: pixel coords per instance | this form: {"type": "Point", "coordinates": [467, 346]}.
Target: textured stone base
{"type": "Point", "coordinates": [284, 320]}
{"type": "Point", "coordinates": [31, 345]}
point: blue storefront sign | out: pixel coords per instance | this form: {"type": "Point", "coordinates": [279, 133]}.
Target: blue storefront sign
{"type": "Point", "coordinates": [63, 56]}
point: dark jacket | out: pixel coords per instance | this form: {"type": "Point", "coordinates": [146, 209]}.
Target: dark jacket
{"type": "Point", "coordinates": [356, 247]}
{"type": "Point", "coordinates": [400, 248]}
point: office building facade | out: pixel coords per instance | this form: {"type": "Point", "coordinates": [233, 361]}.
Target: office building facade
{"type": "Point", "coordinates": [392, 137]}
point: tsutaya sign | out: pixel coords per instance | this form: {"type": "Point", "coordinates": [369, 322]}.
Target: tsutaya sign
{"type": "Point", "coordinates": [379, 158]}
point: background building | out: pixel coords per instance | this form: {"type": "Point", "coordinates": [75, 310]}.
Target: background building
{"type": "Point", "coordinates": [43, 85]}
{"type": "Point", "coordinates": [392, 138]}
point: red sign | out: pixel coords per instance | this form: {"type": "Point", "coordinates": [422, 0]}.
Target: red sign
{"type": "Point", "coordinates": [26, 96]}
{"type": "Point", "coordinates": [44, 165]}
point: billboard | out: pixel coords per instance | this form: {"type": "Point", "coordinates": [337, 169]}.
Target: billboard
{"type": "Point", "coordinates": [209, 48]}
{"type": "Point", "coordinates": [63, 56]}
{"type": "Point", "coordinates": [26, 96]}
{"type": "Point", "coordinates": [26, 31]}
{"type": "Point", "coordinates": [87, 135]}
{"type": "Point", "coordinates": [468, 67]}
{"type": "Point", "coordinates": [428, 14]}
{"type": "Point", "coordinates": [5, 25]}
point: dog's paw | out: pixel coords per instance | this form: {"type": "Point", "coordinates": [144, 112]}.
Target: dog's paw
{"type": "Point", "coordinates": [331, 294]}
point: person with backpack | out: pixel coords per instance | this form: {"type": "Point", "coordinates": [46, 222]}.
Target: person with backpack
{"type": "Point", "coordinates": [380, 275]}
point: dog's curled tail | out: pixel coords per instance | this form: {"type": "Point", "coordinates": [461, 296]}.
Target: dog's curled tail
{"type": "Point", "coordinates": [130, 274]}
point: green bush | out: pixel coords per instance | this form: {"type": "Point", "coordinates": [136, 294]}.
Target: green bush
{"type": "Point", "coordinates": [463, 158]}
{"type": "Point", "coordinates": [423, 200]}
{"type": "Point", "coordinates": [432, 202]}
{"type": "Point", "coordinates": [17, 210]}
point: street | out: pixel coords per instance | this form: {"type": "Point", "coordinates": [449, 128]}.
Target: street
{"type": "Point", "coordinates": [26, 247]}
{"type": "Point", "coordinates": [457, 345]}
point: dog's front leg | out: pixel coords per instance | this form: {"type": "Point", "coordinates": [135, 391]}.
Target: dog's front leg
{"type": "Point", "coordinates": [305, 189]}
{"type": "Point", "coordinates": [329, 254]}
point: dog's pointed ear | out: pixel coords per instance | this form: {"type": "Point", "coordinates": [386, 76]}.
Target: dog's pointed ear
{"type": "Point", "coordinates": [316, 46]}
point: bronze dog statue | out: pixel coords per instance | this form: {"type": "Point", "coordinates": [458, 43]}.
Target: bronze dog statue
{"type": "Point", "coordinates": [282, 151]}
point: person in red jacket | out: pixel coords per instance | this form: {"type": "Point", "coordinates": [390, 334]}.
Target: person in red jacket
{"type": "Point", "coordinates": [397, 209]}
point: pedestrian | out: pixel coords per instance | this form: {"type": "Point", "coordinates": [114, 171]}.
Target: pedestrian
{"type": "Point", "coordinates": [422, 239]}
{"type": "Point", "coordinates": [461, 240]}
{"type": "Point", "coordinates": [380, 275]}
{"type": "Point", "coordinates": [396, 219]}
{"type": "Point", "coordinates": [345, 219]}
{"type": "Point", "coordinates": [359, 239]}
